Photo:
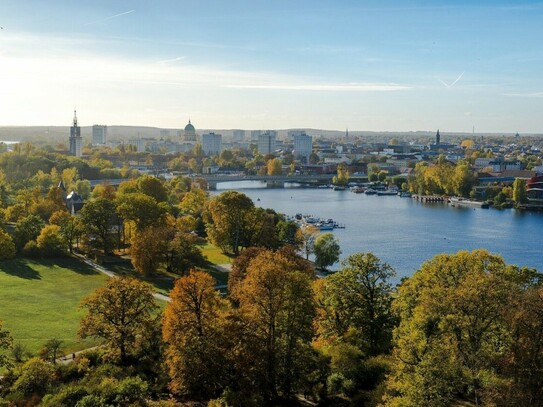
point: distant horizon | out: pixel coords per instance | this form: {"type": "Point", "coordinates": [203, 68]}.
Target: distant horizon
{"type": "Point", "coordinates": [256, 65]}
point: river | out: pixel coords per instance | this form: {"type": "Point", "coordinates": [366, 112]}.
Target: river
{"type": "Point", "coordinates": [404, 232]}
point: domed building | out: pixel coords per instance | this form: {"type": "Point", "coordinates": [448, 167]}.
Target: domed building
{"type": "Point", "coordinates": [190, 133]}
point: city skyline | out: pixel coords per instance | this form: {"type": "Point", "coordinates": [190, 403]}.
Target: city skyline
{"type": "Point", "coordinates": [248, 64]}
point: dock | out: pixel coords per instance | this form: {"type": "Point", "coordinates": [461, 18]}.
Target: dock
{"type": "Point", "coordinates": [429, 198]}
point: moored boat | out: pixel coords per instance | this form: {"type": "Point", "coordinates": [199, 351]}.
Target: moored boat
{"type": "Point", "coordinates": [459, 201]}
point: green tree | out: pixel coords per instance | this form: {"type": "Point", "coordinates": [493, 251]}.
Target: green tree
{"type": "Point", "coordinates": [327, 250]}
{"type": "Point", "coordinates": [120, 313]}
{"type": "Point", "coordinates": [27, 229]}
{"type": "Point", "coordinates": [453, 334]}
{"type": "Point", "coordinates": [227, 219]}
{"type": "Point", "coordinates": [6, 343]}
{"type": "Point", "coordinates": [153, 187]}
{"type": "Point", "coordinates": [149, 248]}
{"type": "Point", "coordinates": [358, 299]}
{"type": "Point", "coordinates": [97, 218]}
{"type": "Point", "coordinates": [519, 191]}
{"type": "Point", "coordinates": [52, 350]}
{"type": "Point", "coordinates": [36, 377]}
{"type": "Point", "coordinates": [70, 227]}
{"type": "Point", "coordinates": [141, 209]}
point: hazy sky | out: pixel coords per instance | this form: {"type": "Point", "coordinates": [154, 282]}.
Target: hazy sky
{"type": "Point", "coordinates": [362, 65]}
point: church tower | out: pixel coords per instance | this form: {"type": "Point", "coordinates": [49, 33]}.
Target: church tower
{"type": "Point", "coordinates": [75, 138]}
{"type": "Point", "coordinates": [438, 138]}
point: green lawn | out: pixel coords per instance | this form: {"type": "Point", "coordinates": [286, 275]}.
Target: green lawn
{"type": "Point", "coordinates": [39, 300]}
{"type": "Point", "coordinates": [214, 255]}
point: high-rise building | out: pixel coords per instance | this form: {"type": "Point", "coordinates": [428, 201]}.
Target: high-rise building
{"type": "Point", "coordinates": [303, 146]}
{"type": "Point", "coordinates": [211, 143]}
{"type": "Point", "coordinates": [267, 143]}
{"type": "Point", "coordinates": [75, 138]}
{"type": "Point", "coordinates": [238, 135]}
{"type": "Point", "coordinates": [99, 134]}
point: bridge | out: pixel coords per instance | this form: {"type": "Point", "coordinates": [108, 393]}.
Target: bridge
{"type": "Point", "coordinates": [272, 181]}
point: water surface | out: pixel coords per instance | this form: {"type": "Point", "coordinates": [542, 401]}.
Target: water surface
{"type": "Point", "coordinates": [404, 232]}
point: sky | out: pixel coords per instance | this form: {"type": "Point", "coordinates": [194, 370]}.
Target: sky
{"type": "Point", "coordinates": [262, 64]}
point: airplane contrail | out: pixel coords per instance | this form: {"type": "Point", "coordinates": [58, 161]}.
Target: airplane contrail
{"type": "Point", "coordinates": [110, 17]}
{"type": "Point", "coordinates": [452, 84]}
{"type": "Point", "coordinates": [165, 61]}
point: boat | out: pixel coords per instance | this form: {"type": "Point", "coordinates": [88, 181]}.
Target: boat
{"type": "Point", "coordinates": [370, 191]}
{"type": "Point", "coordinates": [325, 226]}
{"type": "Point", "coordinates": [357, 189]}
{"type": "Point", "coordinates": [404, 194]}
{"type": "Point", "coordinates": [458, 201]}
{"type": "Point", "coordinates": [387, 192]}
{"type": "Point", "coordinates": [339, 188]}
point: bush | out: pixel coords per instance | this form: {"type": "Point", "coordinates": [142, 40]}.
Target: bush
{"type": "Point", "coordinates": [35, 377]}
{"type": "Point", "coordinates": [67, 396]}
{"type": "Point", "coordinates": [7, 247]}
{"type": "Point", "coordinates": [31, 250]}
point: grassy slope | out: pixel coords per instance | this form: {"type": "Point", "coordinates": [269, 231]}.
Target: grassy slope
{"type": "Point", "coordinates": [39, 300]}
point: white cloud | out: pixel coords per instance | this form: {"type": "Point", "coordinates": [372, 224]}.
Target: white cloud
{"type": "Point", "coordinates": [352, 87]}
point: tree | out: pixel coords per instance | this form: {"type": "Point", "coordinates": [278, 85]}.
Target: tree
{"type": "Point", "coordinates": [51, 242]}
{"type": "Point", "coordinates": [327, 250]}
{"type": "Point", "coordinates": [307, 237]}
{"type": "Point", "coordinates": [342, 177]}
{"type": "Point", "coordinates": [119, 312]}
{"type": "Point", "coordinates": [142, 209]}
{"type": "Point", "coordinates": [453, 335]}
{"type": "Point", "coordinates": [6, 343]}
{"type": "Point", "coordinates": [183, 254]}
{"type": "Point", "coordinates": [277, 303]}
{"type": "Point", "coordinates": [70, 227]}
{"type": "Point", "coordinates": [275, 166]}
{"type": "Point", "coordinates": [193, 202]}
{"type": "Point", "coordinates": [7, 247]}
{"type": "Point", "coordinates": [358, 299]}
{"type": "Point", "coordinates": [519, 191]}
{"type": "Point", "coordinates": [27, 229]}
{"type": "Point", "coordinates": [227, 220]}
{"type": "Point", "coordinates": [52, 350]}
{"type": "Point", "coordinates": [36, 377]}
{"type": "Point", "coordinates": [192, 330]}
{"type": "Point", "coordinates": [153, 187]}
{"type": "Point", "coordinates": [149, 248]}
{"type": "Point", "coordinates": [97, 218]}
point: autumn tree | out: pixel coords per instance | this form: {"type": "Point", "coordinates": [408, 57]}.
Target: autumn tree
{"type": "Point", "coordinates": [327, 250]}
{"type": "Point", "coordinates": [119, 312]}
{"type": "Point", "coordinates": [153, 187]}
{"type": "Point", "coordinates": [149, 248]}
{"type": "Point", "coordinates": [192, 331]}
{"type": "Point", "coordinates": [274, 166]}
{"type": "Point", "coordinates": [307, 236]}
{"type": "Point", "coordinates": [51, 242]}
{"type": "Point", "coordinates": [276, 301]}
{"type": "Point", "coordinates": [7, 247]}
{"type": "Point", "coordinates": [342, 176]}
{"type": "Point", "coordinates": [27, 229]}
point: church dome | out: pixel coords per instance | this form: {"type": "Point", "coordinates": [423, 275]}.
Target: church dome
{"type": "Point", "coordinates": [189, 128]}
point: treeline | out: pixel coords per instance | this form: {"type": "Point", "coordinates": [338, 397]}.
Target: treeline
{"type": "Point", "coordinates": [465, 328]}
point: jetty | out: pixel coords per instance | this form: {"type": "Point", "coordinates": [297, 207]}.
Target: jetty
{"type": "Point", "coordinates": [429, 198]}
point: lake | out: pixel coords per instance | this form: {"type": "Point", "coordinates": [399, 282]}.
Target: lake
{"type": "Point", "coordinates": [404, 232]}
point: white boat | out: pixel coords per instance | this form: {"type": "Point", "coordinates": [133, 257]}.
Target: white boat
{"type": "Point", "coordinates": [370, 191]}
{"type": "Point", "coordinates": [459, 201]}
{"type": "Point", "coordinates": [387, 192]}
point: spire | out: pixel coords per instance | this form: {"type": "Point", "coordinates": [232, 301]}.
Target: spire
{"type": "Point", "coordinates": [75, 117]}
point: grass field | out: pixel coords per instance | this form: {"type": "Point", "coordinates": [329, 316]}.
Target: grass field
{"type": "Point", "coordinates": [39, 300]}
{"type": "Point", "coordinates": [214, 254]}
